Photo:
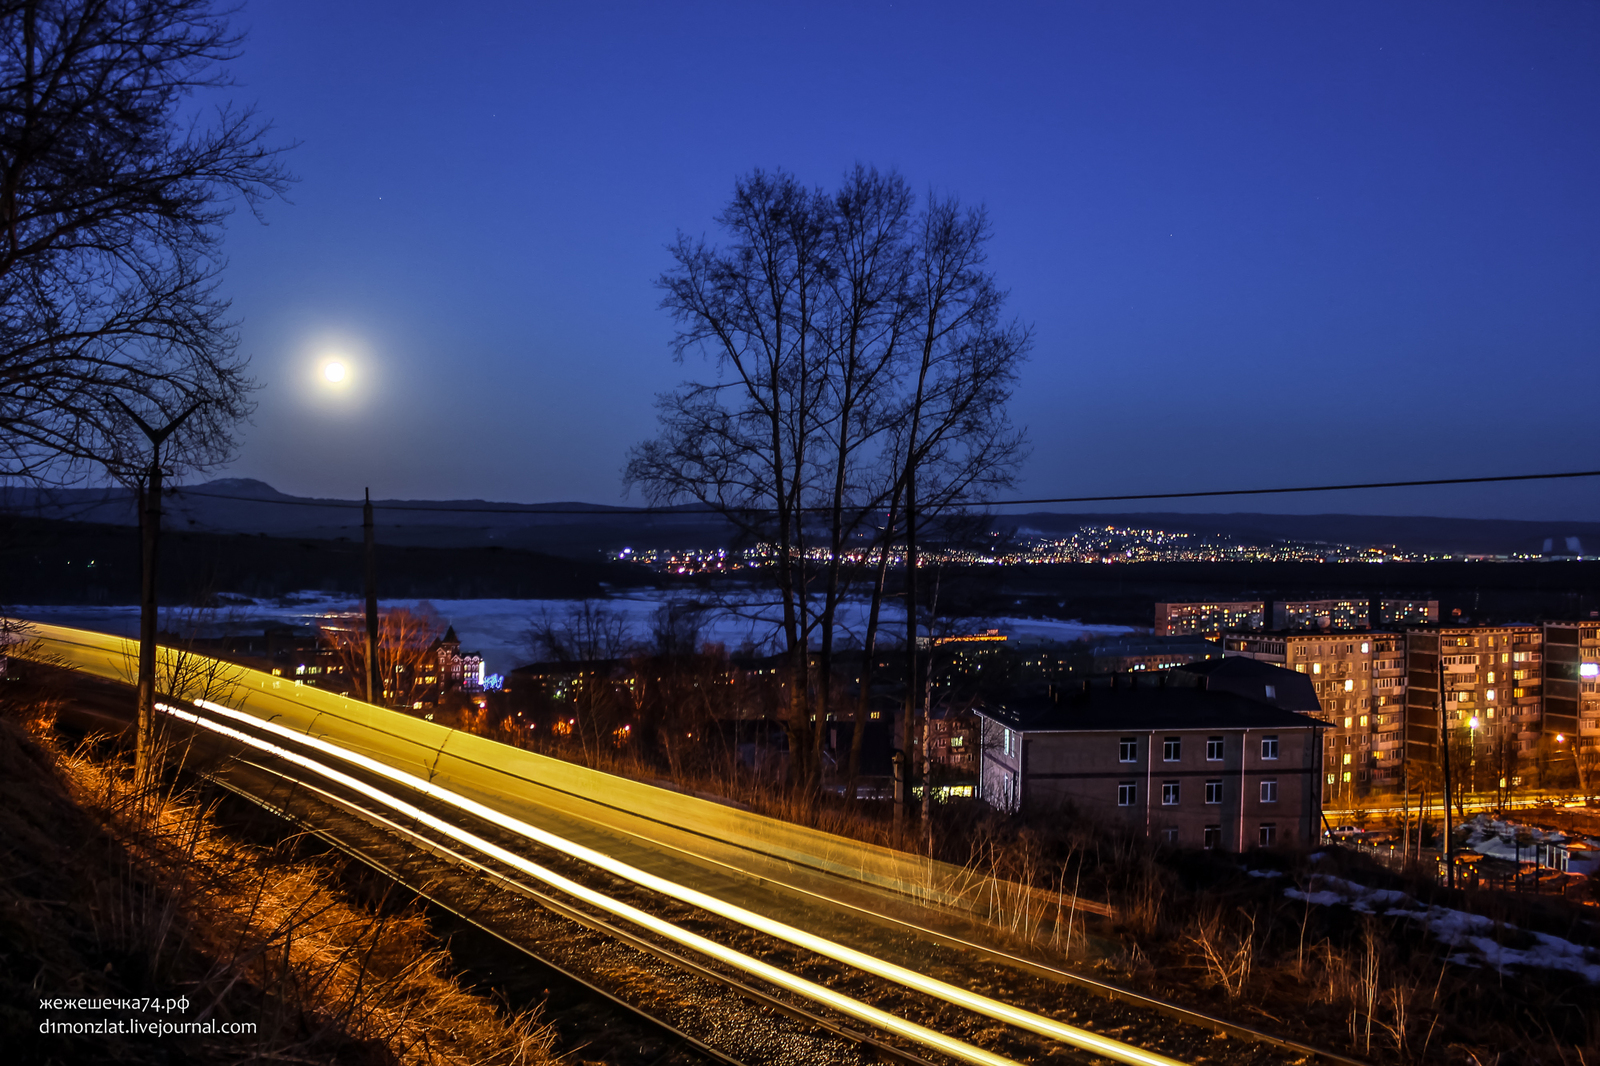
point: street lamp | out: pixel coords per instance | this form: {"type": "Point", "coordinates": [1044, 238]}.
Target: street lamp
{"type": "Point", "coordinates": [1472, 770]}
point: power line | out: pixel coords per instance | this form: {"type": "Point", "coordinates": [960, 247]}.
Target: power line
{"type": "Point", "coordinates": [536, 509]}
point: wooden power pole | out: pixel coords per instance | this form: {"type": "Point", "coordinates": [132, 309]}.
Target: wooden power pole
{"type": "Point", "coordinates": [150, 550]}
{"type": "Point", "coordinates": [374, 692]}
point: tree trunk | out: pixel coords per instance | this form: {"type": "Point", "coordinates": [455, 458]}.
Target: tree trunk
{"type": "Point", "coordinates": [150, 535]}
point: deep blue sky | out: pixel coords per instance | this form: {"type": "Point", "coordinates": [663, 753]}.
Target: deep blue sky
{"type": "Point", "coordinates": [1259, 243]}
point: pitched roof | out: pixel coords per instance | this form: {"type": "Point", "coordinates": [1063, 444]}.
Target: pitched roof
{"type": "Point", "coordinates": [1252, 678]}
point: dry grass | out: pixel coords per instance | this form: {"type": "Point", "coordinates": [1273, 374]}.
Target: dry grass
{"type": "Point", "coordinates": [160, 900]}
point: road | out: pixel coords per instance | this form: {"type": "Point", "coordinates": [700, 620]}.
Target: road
{"type": "Point", "coordinates": [718, 883]}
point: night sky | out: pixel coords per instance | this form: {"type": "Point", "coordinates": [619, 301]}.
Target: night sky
{"type": "Point", "coordinates": [1259, 243]}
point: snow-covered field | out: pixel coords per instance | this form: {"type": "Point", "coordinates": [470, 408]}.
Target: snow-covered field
{"type": "Point", "coordinates": [1472, 936]}
{"type": "Point", "coordinates": [499, 628]}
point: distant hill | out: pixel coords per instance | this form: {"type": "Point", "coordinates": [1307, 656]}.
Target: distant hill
{"type": "Point", "coordinates": [57, 562]}
{"type": "Point", "coordinates": [244, 505]}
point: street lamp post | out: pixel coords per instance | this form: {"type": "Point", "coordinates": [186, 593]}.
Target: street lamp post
{"type": "Point", "coordinates": [1472, 765]}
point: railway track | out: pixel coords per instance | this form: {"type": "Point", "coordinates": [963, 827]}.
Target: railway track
{"type": "Point", "coordinates": [817, 976]}
{"type": "Point", "coordinates": [883, 1007]}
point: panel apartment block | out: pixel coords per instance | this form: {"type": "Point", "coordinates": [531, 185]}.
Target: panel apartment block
{"type": "Point", "coordinates": [1494, 674]}
{"type": "Point", "coordinates": [1184, 619]}
{"type": "Point", "coordinates": [1360, 685]}
{"type": "Point", "coordinates": [1321, 614]}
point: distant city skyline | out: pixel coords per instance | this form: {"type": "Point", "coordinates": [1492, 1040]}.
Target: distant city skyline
{"type": "Point", "coordinates": [1258, 246]}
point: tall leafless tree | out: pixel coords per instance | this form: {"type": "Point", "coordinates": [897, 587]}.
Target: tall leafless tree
{"type": "Point", "coordinates": [744, 444]}
{"type": "Point", "coordinates": [957, 441]}
{"type": "Point", "coordinates": [861, 361]}
{"type": "Point", "coordinates": [114, 185]}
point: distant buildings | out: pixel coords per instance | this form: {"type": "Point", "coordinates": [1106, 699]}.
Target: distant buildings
{"type": "Point", "coordinates": [1150, 653]}
{"type": "Point", "coordinates": [299, 653]}
{"type": "Point", "coordinates": [1210, 617]}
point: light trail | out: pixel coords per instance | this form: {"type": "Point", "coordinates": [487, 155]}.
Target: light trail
{"type": "Point", "coordinates": [1005, 1012]}
{"type": "Point", "coordinates": [941, 1042]}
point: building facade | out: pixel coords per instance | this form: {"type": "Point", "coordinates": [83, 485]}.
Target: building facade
{"type": "Point", "coordinates": [1184, 765]}
{"type": "Point", "coordinates": [1150, 653]}
{"type": "Point", "coordinates": [1199, 619]}
{"type": "Point", "coordinates": [1359, 679]}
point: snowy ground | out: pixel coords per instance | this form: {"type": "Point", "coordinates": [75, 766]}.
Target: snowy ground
{"type": "Point", "coordinates": [1497, 840]}
{"type": "Point", "coordinates": [499, 628]}
{"type": "Point", "coordinates": [1470, 935]}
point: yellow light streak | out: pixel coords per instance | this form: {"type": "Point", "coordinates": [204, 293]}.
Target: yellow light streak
{"type": "Point", "coordinates": [765, 971]}
{"type": "Point", "coordinates": [1081, 1038]}
{"type": "Point", "coordinates": [112, 657]}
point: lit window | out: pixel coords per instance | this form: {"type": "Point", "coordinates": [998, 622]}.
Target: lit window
{"type": "Point", "coordinates": [1316, 668]}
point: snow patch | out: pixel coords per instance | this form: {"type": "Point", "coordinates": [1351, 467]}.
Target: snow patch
{"type": "Point", "coordinates": [1470, 934]}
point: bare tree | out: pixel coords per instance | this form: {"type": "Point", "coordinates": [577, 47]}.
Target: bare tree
{"type": "Point", "coordinates": [405, 639]}
{"type": "Point", "coordinates": [591, 639]}
{"type": "Point", "coordinates": [113, 190]}
{"type": "Point", "coordinates": [745, 446]}
{"type": "Point", "coordinates": [956, 441]}
{"type": "Point", "coordinates": [861, 361]}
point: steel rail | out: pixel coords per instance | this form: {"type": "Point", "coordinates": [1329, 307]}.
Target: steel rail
{"type": "Point", "coordinates": [1083, 1039]}
{"type": "Point", "coordinates": [854, 1008]}
{"type": "Point", "coordinates": [549, 902]}
{"type": "Point", "coordinates": [1038, 969]}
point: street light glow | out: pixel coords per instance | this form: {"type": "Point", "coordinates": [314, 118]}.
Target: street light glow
{"type": "Point", "coordinates": [334, 372]}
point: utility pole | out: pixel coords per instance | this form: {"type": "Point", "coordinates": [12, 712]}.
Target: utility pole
{"type": "Point", "coordinates": [1444, 737]}
{"type": "Point", "coordinates": [374, 692]}
{"type": "Point", "coordinates": [150, 544]}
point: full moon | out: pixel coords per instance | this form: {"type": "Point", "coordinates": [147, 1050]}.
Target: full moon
{"type": "Point", "coordinates": [334, 372]}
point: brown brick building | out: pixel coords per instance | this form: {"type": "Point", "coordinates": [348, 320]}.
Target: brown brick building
{"type": "Point", "coordinates": [1186, 765]}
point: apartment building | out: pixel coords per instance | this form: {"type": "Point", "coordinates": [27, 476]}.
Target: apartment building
{"type": "Point", "coordinates": [1589, 688]}
{"type": "Point", "coordinates": [1150, 653]}
{"type": "Point", "coordinates": [1399, 614]}
{"type": "Point", "coordinates": [1493, 678]}
{"type": "Point", "coordinates": [1321, 614]}
{"type": "Point", "coordinates": [1185, 765]}
{"type": "Point", "coordinates": [1215, 616]}
{"type": "Point", "coordinates": [1359, 680]}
